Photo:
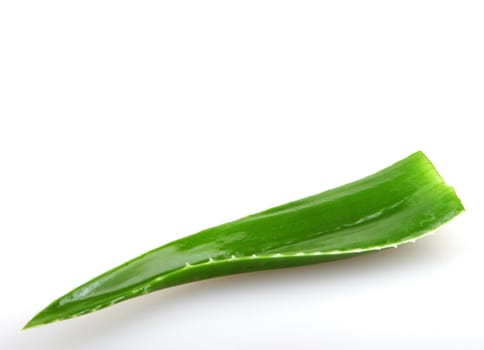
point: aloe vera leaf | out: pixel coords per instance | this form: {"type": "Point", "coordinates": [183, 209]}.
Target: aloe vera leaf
{"type": "Point", "coordinates": [391, 207]}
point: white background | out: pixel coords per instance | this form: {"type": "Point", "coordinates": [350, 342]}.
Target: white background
{"type": "Point", "coordinates": [127, 124]}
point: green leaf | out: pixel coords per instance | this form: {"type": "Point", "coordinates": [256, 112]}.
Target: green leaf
{"type": "Point", "coordinates": [394, 206]}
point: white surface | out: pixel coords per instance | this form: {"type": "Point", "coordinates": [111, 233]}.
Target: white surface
{"type": "Point", "coordinates": [127, 124]}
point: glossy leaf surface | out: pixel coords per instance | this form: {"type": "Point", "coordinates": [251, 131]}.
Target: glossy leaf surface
{"type": "Point", "coordinates": [396, 205]}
